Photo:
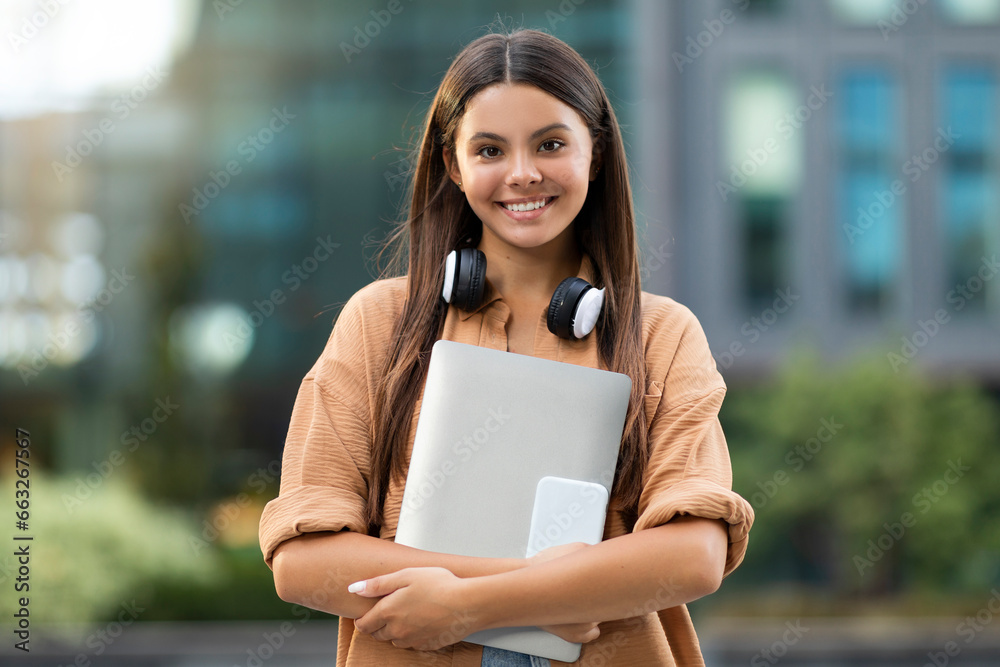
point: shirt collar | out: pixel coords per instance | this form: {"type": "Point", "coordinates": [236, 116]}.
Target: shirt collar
{"type": "Point", "coordinates": [491, 294]}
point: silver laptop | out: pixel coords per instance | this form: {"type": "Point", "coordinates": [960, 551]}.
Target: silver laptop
{"type": "Point", "coordinates": [492, 424]}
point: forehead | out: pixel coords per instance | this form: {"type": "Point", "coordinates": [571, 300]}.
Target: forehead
{"type": "Point", "coordinates": [515, 111]}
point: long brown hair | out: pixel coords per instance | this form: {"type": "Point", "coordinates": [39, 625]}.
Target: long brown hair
{"type": "Point", "coordinates": [439, 219]}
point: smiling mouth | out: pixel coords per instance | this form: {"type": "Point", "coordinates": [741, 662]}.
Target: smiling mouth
{"type": "Point", "coordinates": [527, 206]}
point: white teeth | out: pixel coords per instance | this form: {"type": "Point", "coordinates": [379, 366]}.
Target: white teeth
{"type": "Point", "coordinates": [528, 206]}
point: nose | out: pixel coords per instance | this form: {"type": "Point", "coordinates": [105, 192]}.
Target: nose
{"type": "Point", "coordinates": [522, 170]}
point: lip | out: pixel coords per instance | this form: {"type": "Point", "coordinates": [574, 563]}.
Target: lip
{"type": "Point", "coordinates": [525, 215]}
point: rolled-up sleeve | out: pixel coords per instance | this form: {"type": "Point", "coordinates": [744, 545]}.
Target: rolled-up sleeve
{"type": "Point", "coordinates": [689, 470]}
{"type": "Point", "coordinates": [324, 466]}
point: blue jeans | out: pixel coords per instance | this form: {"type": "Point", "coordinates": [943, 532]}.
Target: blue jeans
{"type": "Point", "coordinates": [498, 657]}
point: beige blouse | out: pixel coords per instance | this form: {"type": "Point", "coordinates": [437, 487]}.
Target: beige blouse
{"type": "Point", "coordinates": [324, 476]}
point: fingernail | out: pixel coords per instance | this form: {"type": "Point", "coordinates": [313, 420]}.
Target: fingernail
{"type": "Point", "coordinates": [357, 587]}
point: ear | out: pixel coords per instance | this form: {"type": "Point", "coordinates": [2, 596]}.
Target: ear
{"type": "Point", "coordinates": [451, 165]}
{"type": "Point", "coordinates": [596, 157]}
{"type": "Point", "coordinates": [595, 166]}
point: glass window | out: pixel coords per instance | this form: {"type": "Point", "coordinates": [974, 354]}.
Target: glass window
{"type": "Point", "coordinates": [762, 167]}
{"type": "Point", "coordinates": [871, 191]}
{"type": "Point", "coordinates": [970, 11]}
{"type": "Point", "coordinates": [968, 144]}
{"type": "Point", "coordinates": [762, 7]}
{"type": "Point", "coordinates": [862, 12]}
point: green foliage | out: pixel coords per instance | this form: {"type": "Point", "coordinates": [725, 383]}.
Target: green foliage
{"type": "Point", "coordinates": [246, 593]}
{"type": "Point", "coordinates": [869, 500]}
{"type": "Point", "coordinates": [92, 554]}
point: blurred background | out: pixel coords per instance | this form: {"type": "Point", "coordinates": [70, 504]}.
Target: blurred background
{"type": "Point", "coordinates": [190, 190]}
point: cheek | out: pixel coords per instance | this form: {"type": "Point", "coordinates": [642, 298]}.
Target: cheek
{"type": "Point", "coordinates": [482, 180]}
{"type": "Point", "coordinates": [574, 175]}
{"type": "Point", "coordinates": [480, 194]}
{"type": "Point", "coordinates": [575, 167]}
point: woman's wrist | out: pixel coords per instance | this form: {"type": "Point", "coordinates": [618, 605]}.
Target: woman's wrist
{"type": "Point", "coordinates": [481, 597]}
{"type": "Point", "coordinates": [503, 565]}
{"type": "Point", "coordinates": [476, 603]}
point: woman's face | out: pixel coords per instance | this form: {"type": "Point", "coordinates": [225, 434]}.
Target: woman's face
{"type": "Point", "coordinates": [520, 147]}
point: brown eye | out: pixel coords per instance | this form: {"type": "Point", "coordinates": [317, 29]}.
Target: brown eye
{"type": "Point", "coordinates": [489, 151]}
{"type": "Point", "coordinates": [551, 145]}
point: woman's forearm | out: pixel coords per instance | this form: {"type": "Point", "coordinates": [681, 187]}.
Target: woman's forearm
{"type": "Point", "coordinates": [622, 577]}
{"type": "Point", "coordinates": [315, 569]}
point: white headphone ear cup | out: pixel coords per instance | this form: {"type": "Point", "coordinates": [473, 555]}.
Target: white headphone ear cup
{"type": "Point", "coordinates": [587, 312]}
{"type": "Point", "coordinates": [449, 276]}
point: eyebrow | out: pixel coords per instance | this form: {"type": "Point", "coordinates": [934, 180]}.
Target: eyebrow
{"type": "Point", "coordinates": [534, 135]}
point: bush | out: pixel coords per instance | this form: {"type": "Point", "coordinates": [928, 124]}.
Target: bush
{"type": "Point", "coordinates": [91, 556]}
{"type": "Point", "coordinates": [867, 482]}
{"type": "Point", "coordinates": [245, 593]}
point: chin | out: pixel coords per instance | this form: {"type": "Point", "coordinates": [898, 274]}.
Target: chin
{"type": "Point", "coordinates": [525, 234]}
{"type": "Point", "coordinates": [527, 241]}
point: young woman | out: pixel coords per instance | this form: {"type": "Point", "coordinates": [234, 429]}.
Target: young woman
{"type": "Point", "coordinates": [522, 159]}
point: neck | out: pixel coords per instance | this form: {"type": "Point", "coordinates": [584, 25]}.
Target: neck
{"type": "Point", "coordinates": [530, 274]}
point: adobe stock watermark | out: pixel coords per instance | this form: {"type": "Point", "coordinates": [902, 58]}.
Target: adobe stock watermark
{"type": "Point", "coordinates": [213, 527]}
{"type": "Point", "coordinates": [786, 127]}
{"type": "Point", "coordinates": [697, 44]}
{"type": "Point", "coordinates": [555, 528]}
{"type": "Point", "coordinates": [364, 34]}
{"type": "Point", "coordinates": [35, 22]}
{"type": "Point", "coordinates": [755, 327]}
{"type": "Point", "coordinates": [796, 458]}
{"type": "Point", "coordinates": [130, 441]}
{"type": "Point", "coordinates": [603, 653]}
{"type": "Point", "coordinates": [399, 176]}
{"type": "Point", "coordinates": [7, 568]}
{"type": "Point", "coordinates": [59, 340]}
{"type": "Point", "coordinates": [271, 644]}
{"type": "Point", "coordinates": [779, 648]}
{"type": "Point", "coordinates": [664, 597]}
{"type": "Point", "coordinates": [101, 640]}
{"type": "Point", "coordinates": [900, 14]}
{"type": "Point", "coordinates": [223, 7]}
{"type": "Point", "coordinates": [249, 148]}
{"type": "Point", "coordinates": [923, 500]}
{"type": "Point", "coordinates": [273, 641]}
{"type": "Point", "coordinates": [121, 109]}
{"type": "Point", "coordinates": [562, 12]}
{"type": "Point", "coordinates": [914, 168]}
{"type": "Point", "coordinates": [295, 276]}
{"type": "Point", "coordinates": [927, 329]}
{"type": "Point", "coordinates": [968, 629]}
{"type": "Point", "coordinates": [373, 239]}
{"type": "Point", "coordinates": [420, 491]}
{"type": "Point", "coordinates": [657, 259]}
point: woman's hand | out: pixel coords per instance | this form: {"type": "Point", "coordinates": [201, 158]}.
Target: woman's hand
{"type": "Point", "coordinates": [424, 607]}
{"type": "Point", "coordinates": [579, 633]}
{"type": "Point", "coordinates": [421, 608]}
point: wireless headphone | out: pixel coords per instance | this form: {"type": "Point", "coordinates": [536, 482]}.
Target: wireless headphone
{"type": "Point", "coordinates": [573, 310]}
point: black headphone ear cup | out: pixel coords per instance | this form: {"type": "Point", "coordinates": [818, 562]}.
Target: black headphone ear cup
{"type": "Point", "coordinates": [470, 278]}
{"type": "Point", "coordinates": [477, 277]}
{"type": "Point", "coordinates": [562, 307]}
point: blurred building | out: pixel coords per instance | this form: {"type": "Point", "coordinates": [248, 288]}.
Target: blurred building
{"type": "Point", "coordinates": [818, 173]}
{"type": "Point", "coordinates": [242, 185]}
{"type": "Point", "coordinates": [825, 174]}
